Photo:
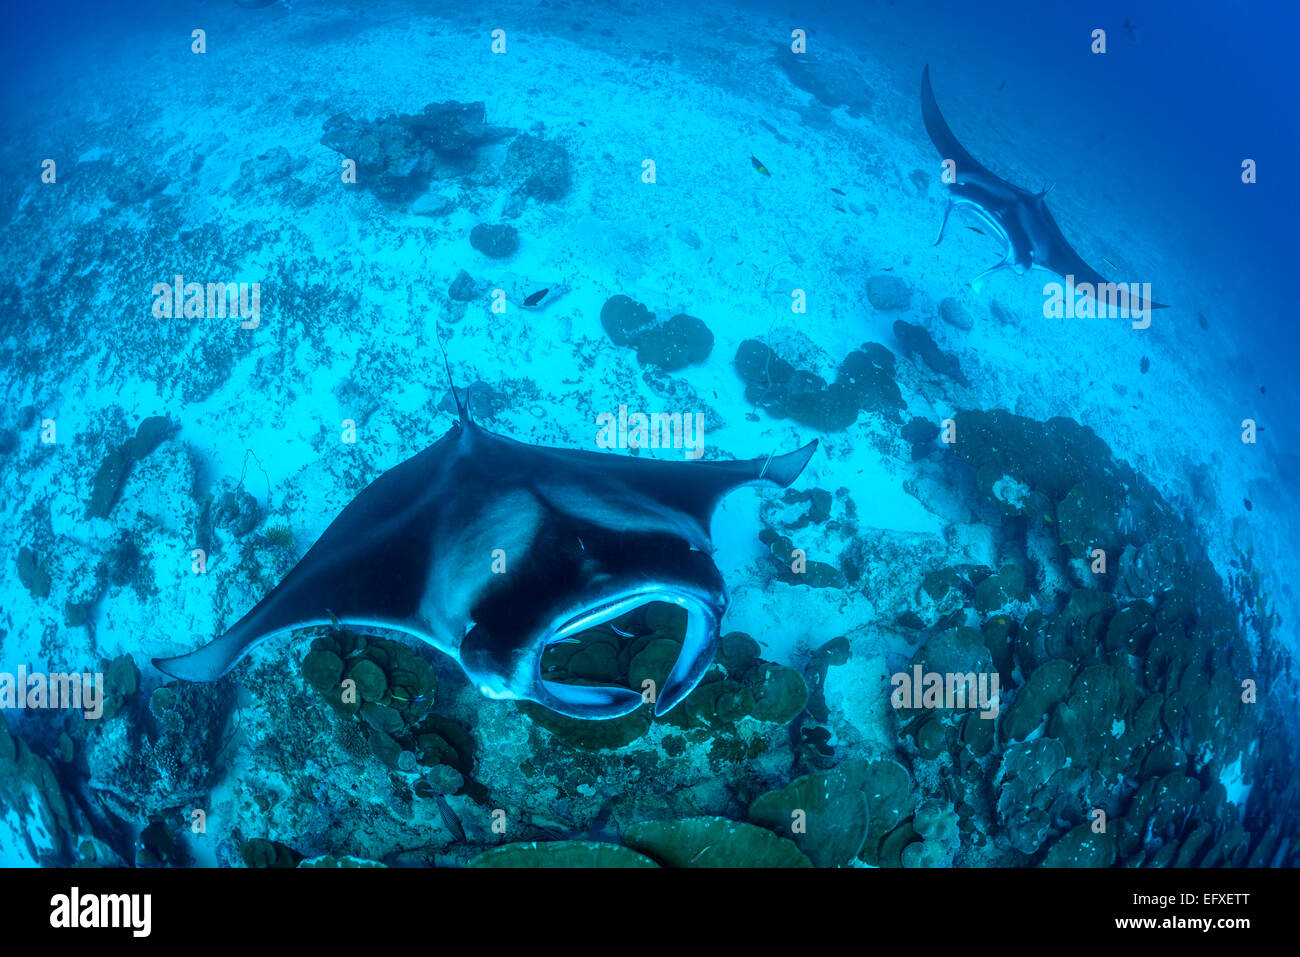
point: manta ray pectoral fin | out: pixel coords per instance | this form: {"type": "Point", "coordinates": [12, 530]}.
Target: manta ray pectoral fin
{"type": "Point", "coordinates": [782, 470]}
{"type": "Point", "coordinates": [208, 663]}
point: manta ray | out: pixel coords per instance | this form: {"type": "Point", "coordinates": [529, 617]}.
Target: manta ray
{"type": "Point", "coordinates": [1018, 217]}
{"type": "Point", "coordinates": [491, 550]}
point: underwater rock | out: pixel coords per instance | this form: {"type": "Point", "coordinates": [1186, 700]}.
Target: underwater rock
{"type": "Point", "coordinates": [434, 205]}
{"type": "Point", "coordinates": [398, 155]}
{"type": "Point", "coordinates": [107, 485]}
{"type": "Point", "coordinates": [888, 790]}
{"type": "Point", "coordinates": [8, 441]}
{"type": "Point", "coordinates": [33, 802]}
{"type": "Point", "coordinates": [865, 382]}
{"type": "Point", "coordinates": [997, 591]}
{"type": "Point", "coordinates": [259, 852]}
{"type": "Point", "coordinates": [955, 314]}
{"type": "Point", "coordinates": [33, 574]}
{"type": "Point", "coordinates": [237, 512]}
{"type": "Point", "coordinates": [117, 462]}
{"type": "Point", "coordinates": [1047, 686]}
{"type": "Point", "coordinates": [464, 289]}
{"type": "Point", "coordinates": [496, 241]}
{"type": "Point", "coordinates": [887, 292]}
{"type": "Point", "coordinates": [920, 434]}
{"type": "Point", "coordinates": [681, 341]}
{"type": "Point", "coordinates": [671, 345]}
{"type": "Point", "coordinates": [834, 652]}
{"type": "Point", "coordinates": [150, 434]}
{"type": "Point", "coordinates": [937, 826]}
{"type": "Point", "coordinates": [1081, 847]}
{"type": "Point", "coordinates": [798, 570]}
{"type": "Point", "coordinates": [1153, 569]}
{"type": "Point", "coordinates": [541, 168]}
{"type": "Point", "coordinates": [825, 813]}
{"type": "Point", "coordinates": [917, 342]}
{"type": "Point", "coordinates": [831, 84]}
{"type": "Point", "coordinates": [624, 319]}
{"type": "Point", "coordinates": [713, 842]}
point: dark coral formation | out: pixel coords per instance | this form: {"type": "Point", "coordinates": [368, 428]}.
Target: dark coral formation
{"type": "Point", "coordinates": [888, 293]}
{"type": "Point", "coordinates": [916, 342]}
{"type": "Point", "coordinates": [399, 155]}
{"type": "Point", "coordinates": [118, 460]}
{"type": "Point", "coordinates": [539, 168]}
{"type": "Point", "coordinates": [670, 345]}
{"type": "Point", "coordinates": [390, 689]}
{"type": "Point", "coordinates": [496, 241]}
{"type": "Point", "coordinates": [864, 383]}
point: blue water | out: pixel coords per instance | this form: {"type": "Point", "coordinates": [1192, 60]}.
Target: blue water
{"type": "Point", "coordinates": [658, 185]}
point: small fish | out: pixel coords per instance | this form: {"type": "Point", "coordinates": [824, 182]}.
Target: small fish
{"type": "Point", "coordinates": [1109, 263]}
{"type": "Point", "coordinates": [1249, 507]}
{"type": "Point", "coordinates": [619, 631]}
{"type": "Point", "coordinates": [1146, 363]}
{"type": "Point", "coordinates": [702, 850]}
{"type": "Point", "coordinates": [450, 819]}
{"type": "Point", "coordinates": [975, 229]}
{"type": "Point", "coordinates": [759, 166]}
{"type": "Point", "coordinates": [838, 191]}
{"type": "Point", "coordinates": [1263, 391]}
{"type": "Point", "coordinates": [537, 297]}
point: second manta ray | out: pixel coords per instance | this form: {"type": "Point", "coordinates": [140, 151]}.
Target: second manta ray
{"type": "Point", "coordinates": [491, 550]}
{"type": "Point", "coordinates": [1020, 218]}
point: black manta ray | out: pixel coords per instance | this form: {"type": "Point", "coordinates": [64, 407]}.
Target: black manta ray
{"type": "Point", "coordinates": [491, 549]}
{"type": "Point", "coordinates": [1020, 218]}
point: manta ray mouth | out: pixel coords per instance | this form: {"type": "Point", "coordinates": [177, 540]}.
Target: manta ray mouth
{"type": "Point", "coordinates": [593, 665]}
{"type": "Point", "coordinates": [619, 607]}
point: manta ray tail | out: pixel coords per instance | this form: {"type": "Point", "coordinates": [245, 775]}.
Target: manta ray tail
{"type": "Point", "coordinates": [462, 410]}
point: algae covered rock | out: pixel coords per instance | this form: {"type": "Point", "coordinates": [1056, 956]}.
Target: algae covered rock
{"type": "Point", "coordinates": [624, 319]}
{"type": "Point", "coordinates": [825, 814]}
{"type": "Point", "coordinates": [936, 824]}
{"type": "Point", "coordinates": [887, 292]}
{"type": "Point", "coordinates": [33, 574]}
{"type": "Point", "coordinates": [955, 314]}
{"type": "Point", "coordinates": [1081, 847]}
{"type": "Point", "coordinates": [496, 241]}
{"type": "Point", "coordinates": [1047, 686]}
{"type": "Point", "coordinates": [259, 852]}
{"type": "Point", "coordinates": [998, 591]}
{"type": "Point", "coordinates": [565, 854]}
{"type": "Point", "coordinates": [679, 342]}
{"type": "Point", "coordinates": [713, 842]}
